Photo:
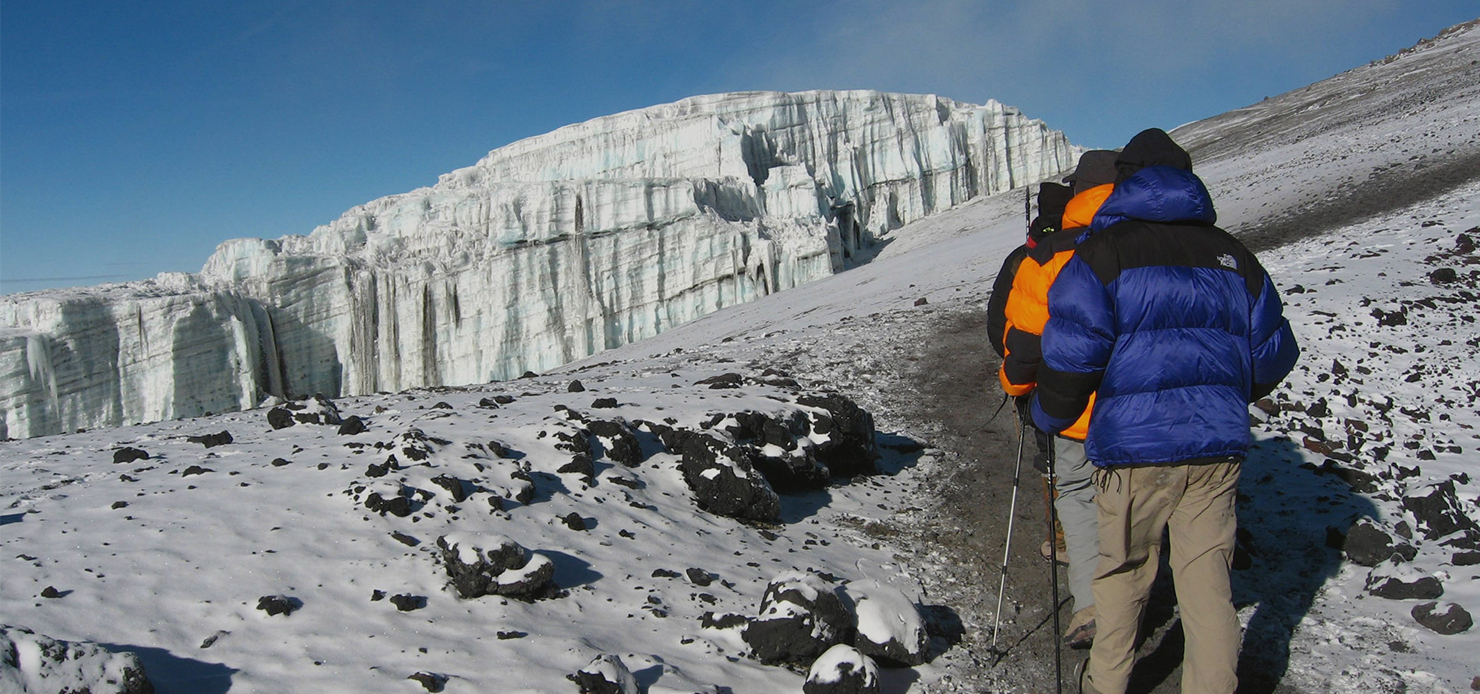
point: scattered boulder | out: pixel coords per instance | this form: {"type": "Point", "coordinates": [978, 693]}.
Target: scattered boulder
{"type": "Point", "coordinates": [1396, 580]}
{"type": "Point", "coordinates": [129, 455]}
{"type": "Point", "coordinates": [1438, 511]}
{"type": "Point", "coordinates": [352, 425]}
{"type": "Point", "coordinates": [848, 447]}
{"type": "Point", "coordinates": [280, 418]}
{"type": "Point", "coordinates": [801, 616]}
{"type": "Point", "coordinates": [275, 605]}
{"type": "Point", "coordinates": [431, 681]}
{"type": "Point", "coordinates": [621, 444]}
{"type": "Point", "coordinates": [580, 464]}
{"type": "Point", "coordinates": [574, 521]}
{"type": "Point", "coordinates": [890, 626]}
{"type": "Point", "coordinates": [315, 410]}
{"type": "Point", "coordinates": [1445, 618]}
{"type": "Point", "coordinates": [722, 381]}
{"type": "Point", "coordinates": [220, 438]}
{"type": "Point", "coordinates": [1368, 545]}
{"type": "Point", "coordinates": [724, 480]}
{"type": "Point", "coordinates": [66, 666]}
{"type": "Point", "coordinates": [406, 602]}
{"type": "Point", "coordinates": [842, 670]}
{"type": "Point", "coordinates": [604, 403]}
{"type": "Point", "coordinates": [606, 674]}
{"type": "Point", "coordinates": [575, 387]}
{"type": "Point", "coordinates": [195, 470]}
{"type": "Point", "coordinates": [457, 488]}
{"type": "Point", "coordinates": [490, 564]}
{"type": "Point", "coordinates": [389, 497]}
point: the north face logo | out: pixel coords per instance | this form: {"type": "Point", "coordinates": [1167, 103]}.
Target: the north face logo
{"type": "Point", "coordinates": [1227, 261]}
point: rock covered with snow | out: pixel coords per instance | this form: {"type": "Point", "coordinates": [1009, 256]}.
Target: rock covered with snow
{"type": "Point", "coordinates": [605, 674]}
{"type": "Point", "coordinates": [890, 626]}
{"type": "Point", "coordinates": [842, 669]}
{"type": "Point", "coordinates": [801, 616]}
{"type": "Point", "coordinates": [1396, 579]}
{"type": "Point", "coordinates": [547, 250]}
{"type": "Point", "coordinates": [31, 662]}
{"type": "Point", "coordinates": [491, 564]}
{"type": "Point", "coordinates": [1445, 618]}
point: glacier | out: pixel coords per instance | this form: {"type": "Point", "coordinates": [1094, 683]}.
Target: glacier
{"type": "Point", "coordinates": [547, 250]}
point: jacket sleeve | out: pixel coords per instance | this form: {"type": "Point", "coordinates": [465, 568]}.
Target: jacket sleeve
{"type": "Point", "coordinates": [1077, 343]}
{"type": "Point", "coordinates": [997, 304]}
{"type": "Point", "coordinates": [1026, 312]}
{"type": "Point", "coordinates": [1271, 341]}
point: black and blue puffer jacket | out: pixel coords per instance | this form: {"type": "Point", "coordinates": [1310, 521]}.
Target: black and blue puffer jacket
{"type": "Point", "coordinates": [1171, 320]}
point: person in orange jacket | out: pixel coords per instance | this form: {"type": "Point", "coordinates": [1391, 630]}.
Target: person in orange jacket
{"type": "Point", "coordinates": [1026, 313]}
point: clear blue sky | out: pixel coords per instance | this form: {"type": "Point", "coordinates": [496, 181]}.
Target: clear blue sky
{"type": "Point", "coordinates": [135, 136]}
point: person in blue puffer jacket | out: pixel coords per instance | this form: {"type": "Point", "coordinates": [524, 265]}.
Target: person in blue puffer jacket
{"type": "Point", "coordinates": [1175, 327]}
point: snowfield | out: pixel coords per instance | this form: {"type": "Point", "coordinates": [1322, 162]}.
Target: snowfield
{"type": "Point", "coordinates": [281, 561]}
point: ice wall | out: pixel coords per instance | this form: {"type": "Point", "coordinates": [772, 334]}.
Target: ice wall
{"type": "Point", "coordinates": [545, 251]}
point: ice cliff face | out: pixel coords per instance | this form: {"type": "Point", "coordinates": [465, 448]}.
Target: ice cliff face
{"type": "Point", "coordinates": [547, 250]}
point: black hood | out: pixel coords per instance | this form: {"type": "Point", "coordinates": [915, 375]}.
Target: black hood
{"type": "Point", "coordinates": [1096, 168]}
{"type": "Point", "coordinates": [1150, 147]}
{"type": "Point", "coordinates": [1052, 199]}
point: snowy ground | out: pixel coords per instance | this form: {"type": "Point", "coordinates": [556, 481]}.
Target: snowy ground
{"type": "Point", "coordinates": [144, 557]}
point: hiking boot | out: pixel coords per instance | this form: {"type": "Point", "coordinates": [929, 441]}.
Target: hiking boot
{"type": "Point", "coordinates": [1079, 671]}
{"type": "Point", "coordinates": [1081, 632]}
{"type": "Point", "coordinates": [1063, 554]}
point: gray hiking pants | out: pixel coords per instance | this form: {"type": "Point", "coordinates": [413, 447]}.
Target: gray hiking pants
{"type": "Point", "coordinates": [1079, 517]}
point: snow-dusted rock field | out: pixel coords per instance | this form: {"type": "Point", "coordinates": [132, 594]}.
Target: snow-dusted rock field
{"type": "Point", "coordinates": [547, 250]}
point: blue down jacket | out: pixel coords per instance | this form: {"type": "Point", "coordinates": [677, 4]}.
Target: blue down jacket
{"type": "Point", "coordinates": [1171, 320]}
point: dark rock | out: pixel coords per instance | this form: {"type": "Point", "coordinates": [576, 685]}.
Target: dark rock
{"type": "Point", "coordinates": [220, 438]}
{"type": "Point", "coordinates": [1319, 409]}
{"type": "Point", "coordinates": [405, 539]}
{"type": "Point", "coordinates": [406, 602]}
{"type": "Point", "coordinates": [275, 605]}
{"type": "Point", "coordinates": [1368, 545]}
{"type": "Point", "coordinates": [699, 577]}
{"type": "Point", "coordinates": [580, 464]}
{"type": "Point", "coordinates": [850, 448]}
{"type": "Point", "coordinates": [280, 418]}
{"type": "Point", "coordinates": [279, 462]}
{"type": "Point", "coordinates": [1443, 275]}
{"type": "Point", "coordinates": [377, 595]}
{"type": "Point", "coordinates": [51, 593]}
{"type": "Point", "coordinates": [1439, 512]}
{"type": "Point", "coordinates": [842, 670]}
{"type": "Point", "coordinates": [195, 470]}
{"type": "Point", "coordinates": [1395, 581]}
{"type": "Point", "coordinates": [573, 441]}
{"type": "Point", "coordinates": [574, 521]}
{"type": "Point", "coordinates": [607, 674]}
{"type": "Point", "coordinates": [503, 399]}
{"type": "Point", "coordinates": [507, 635]}
{"type": "Point", "coordinates": [723, 478]}
{"type": "Point", "coordinates": [665, 573]}
{"type": "Point", "coordinates": [800, 618]}
{"type": "Point", "coordinates": [488, 403]}
{"type": "Point", "coordinates": [621, 444]}
{"type": "Point", "coordinates": [1467, 558]}
{"type": "Point", "coordinates": [454, 486]}
{"type": "Point", "coordinates": [129, 455]}
{"type": "Point", "coordinates": [378, 469]}
{"type": "Point", "coordinates": [352, 425]}
{"type": "Point", "coordinates": [727, 620]}
{"type": "Point", "coordinates": [604, 403]}
{"type": "Point", "coordinates": [1444, 618]}
{"type": "Point", "coordinates": [396, 504]}
{"type": "Point", "coordinates": [575, 387]}
{"type": "Point", "coordinates": [432, 681]}
{"type": "Point", "coordinates": [1267, 406]}
{"type": "Point", "coordinates": [922, 301]}
{"type": "Point", "coordinates": [722, 381]}
{"type": "Point", "coordinates": [906, 640]}
{"type": "Point", "coordinates": [120, 504]}
{"type": "Point", "coordinates": [494, 565]}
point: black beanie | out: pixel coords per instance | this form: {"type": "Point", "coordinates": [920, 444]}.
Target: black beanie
{"type": "Point", "coordinates": [1150, 147]}
{"type": "Point", "coordinates": [1096, 168]}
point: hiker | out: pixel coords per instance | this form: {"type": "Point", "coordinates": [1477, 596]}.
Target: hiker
{"type": "Point", "coordinates": [1026, 313]}
{"type": "Point", "coordinates": [1173, 325]}
{"type": "Point", "coordinates": [1052, 198]}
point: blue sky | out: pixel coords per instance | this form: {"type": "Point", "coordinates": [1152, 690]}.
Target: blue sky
{"type": "Point", "coordinates": [135, 136]}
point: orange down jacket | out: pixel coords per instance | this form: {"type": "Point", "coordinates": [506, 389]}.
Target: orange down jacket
{"type": "Point", "coordinates": [1027, 304]}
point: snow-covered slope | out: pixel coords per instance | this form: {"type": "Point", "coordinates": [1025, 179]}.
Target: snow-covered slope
{"type": "Point", "coordinates": [547, 250]}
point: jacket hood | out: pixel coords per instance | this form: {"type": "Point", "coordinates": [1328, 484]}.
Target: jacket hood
{"type": "Point", "coordinates": [1052, 198]}
{"type": "Point", "coordinates": [1150, 147]}
{"type": "Point", "coordinates": [1163, 194]}
{"type": "Point", "coordinates": [1082, 209]}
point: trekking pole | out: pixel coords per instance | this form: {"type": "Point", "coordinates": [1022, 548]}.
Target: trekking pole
{"type": "Point", "coordinates": [1053, 570]}
{"type": "Point", "coordinates": [1011, 515]}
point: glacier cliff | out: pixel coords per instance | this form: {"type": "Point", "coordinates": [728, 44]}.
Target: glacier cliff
{"type": "Point", "coordinates": [547, 250]}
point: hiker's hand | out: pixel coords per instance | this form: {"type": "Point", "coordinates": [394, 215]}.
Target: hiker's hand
{"type": "Point", "coordinates": [1024, 405]}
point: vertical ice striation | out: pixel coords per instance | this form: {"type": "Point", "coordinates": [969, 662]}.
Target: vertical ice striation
{"type": "Point", "coordinates": [545, 251]}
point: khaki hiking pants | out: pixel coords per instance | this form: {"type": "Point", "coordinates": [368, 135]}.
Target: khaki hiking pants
{"type": "Point", "coordinates": [1195, 504]}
